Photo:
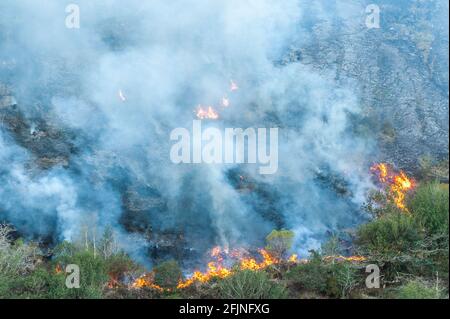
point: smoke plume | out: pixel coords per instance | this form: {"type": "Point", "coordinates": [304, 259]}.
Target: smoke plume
{"type": "Point", "coordinates": [97, 104]}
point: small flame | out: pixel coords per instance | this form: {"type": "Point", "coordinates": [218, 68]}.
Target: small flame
{"type": "Point", "coordinates": [293, 259]}
{"type": "Point", "coordinates": [398, 185]}
{"type": "Point", "coordinates": [343, 258]}
{"type": "Point", "coordinates": [113, 282]}
{"type": "Point", "coordinates": [58, 269]}
{"type": "Point", "coordinates": [217, 270]}
{"type": "Point", "coordinates": [146, 281]}
{"type": "Point", "coordinates": [207, 113]}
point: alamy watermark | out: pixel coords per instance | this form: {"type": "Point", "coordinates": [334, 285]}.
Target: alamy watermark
{"type": "Point", "coordinates": [73, 279]}
{"type": "Point", "coordinates": [73, 16]}
{"type": "Point", "coordinates": [214, 146]}
{"type": "Point", "coordinates": [373, 280]}
{"type": "Point", "coordinates": [373, 16]}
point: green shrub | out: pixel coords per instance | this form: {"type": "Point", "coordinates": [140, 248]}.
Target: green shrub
{"type": "Point", "coordinates": [119, 264]}
{"type": "Point", "coordinates": [430, 207]}
{"type": "Point", "coordinates": [332, 279]}
{"type": "Point", "coordinates": [431, 170]}
{"type": "Point", "coordinates": [18, 261]}
{"type": "Point", "coordinates": [168, 274]}
{"type": "Point", "coordinates": [249, 284]}
{"type": "Point", "coordinates": [416, 289]}
{"type": "Point", "coordinates": [16, 258]}
{"type": "Point", "coordinates": [389, 234]}
{"type": "Point", "coordinates": [279, 242]}
{"type": "Point", "coordinates": [311, 276]}
{"type": "Point", "coordinates": [344, 275]}
{"type": "Point", "coordinates": [93, 276]}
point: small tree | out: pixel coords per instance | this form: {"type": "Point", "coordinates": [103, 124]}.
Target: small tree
{"type": "Point", "coordinates": [108, 245]}
{"type": "Point", "coordinates": [168, 274]}
{"type": "Point", "coordinates": [332, 247]}
{"type": "Point", "coordinates": [279, 242]}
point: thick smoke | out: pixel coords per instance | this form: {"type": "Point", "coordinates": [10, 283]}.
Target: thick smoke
{"type": "Point", "coordinates": [166, 58]}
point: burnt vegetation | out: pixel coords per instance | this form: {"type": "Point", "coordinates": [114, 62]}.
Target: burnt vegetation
{"type": "Point", "coordinates": [411, 250]}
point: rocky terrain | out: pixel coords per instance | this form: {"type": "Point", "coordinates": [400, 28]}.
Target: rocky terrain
{"type": "Point", "coordinates": [400, 72]}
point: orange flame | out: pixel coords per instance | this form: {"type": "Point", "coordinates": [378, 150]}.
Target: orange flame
{"type": "Point", "coordinates": [207, 113]}
{"type": "Point", "coordinates": [146, 281]}
{"type": "Point", "coordinates": [58, 269]}
{"type": "Point", "coordinates": [398, 185]}
{"type": "Point", "coordinates": [210, 111]}
{"type": "Point", "coordinates": [113, 282]}
{"type": "Point", "coordinates": [343, 258]}
{"type": "Point", "coordinates": [293, 259]}
{"type": "Point", "coordinates": [216, 270]}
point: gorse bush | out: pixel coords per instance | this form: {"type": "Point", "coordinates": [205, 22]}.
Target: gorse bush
{"type": "Point", "coordinates": [392, 233]}
{"type": "Point", "coordinates": [413, 242]}
{"type": "Point", "coordinates": [24, 274]}
{"type": "Point", "coordinates": [16, 258]}
{"type": "Point", "coordinates": [168, 274]}
{"type": "Point", "coordinates": [311, 276]}
{"type": "Point", "coordinates": [430, 208]}
{"type": "Point", "coordinates": [416, 289]}
{"type": "Point", "coordinates": [249, 284]}
{"type": "Point", "coordinates": [17, 261]}
{"type": "Point", "coordinates": [332, 279]}
{"type": "Point", "coordinates": [93, 275]}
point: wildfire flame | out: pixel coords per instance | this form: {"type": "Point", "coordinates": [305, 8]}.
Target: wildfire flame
{"type": "Point", "coordinates": [217, 270]}
{"type": "Point", "coordinates": [207, 113]}
{"type": "Point", "coordinates": [293, 259]}
{"type": "Point", "coordinates": [214, 271]}
{"type": "Point", "coordinates": [210, 112]}
{"type": "Point", "coordinates": [58, 269]}
{"type": "Point", "coordinates": [146, 281]}
{"type": "Point", "coordinates": [113, 282]}
{"type": "Point", "coordinates": [398, 184]}
{"type": "Point", "coordinates": [343, 258]}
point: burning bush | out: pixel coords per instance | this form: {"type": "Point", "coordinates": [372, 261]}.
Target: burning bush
{"type": "Point", "coordinates": [397, 184]}
{"type": "Point", "coordinates": [279, 242]}
{"type": "Point", "coordinates": [413, 243]}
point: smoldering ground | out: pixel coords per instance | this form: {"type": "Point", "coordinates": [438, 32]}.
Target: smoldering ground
{"type": "Point", "coordinates": [88, 143]}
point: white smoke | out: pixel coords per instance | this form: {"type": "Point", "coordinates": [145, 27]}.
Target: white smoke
{"type": "Point", "coordinates": [166, 58]}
